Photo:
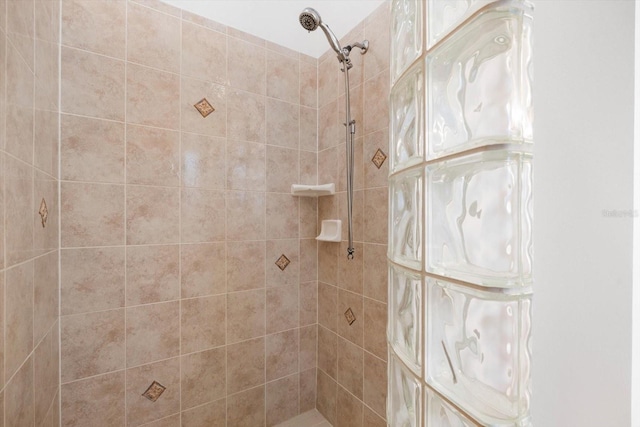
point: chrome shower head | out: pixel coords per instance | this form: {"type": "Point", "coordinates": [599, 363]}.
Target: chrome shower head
{"type": "Point", "coordinates": [310, 19]}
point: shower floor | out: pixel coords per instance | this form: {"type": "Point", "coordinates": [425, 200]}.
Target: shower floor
{"type": "Point", "coordinates": [311, 418]}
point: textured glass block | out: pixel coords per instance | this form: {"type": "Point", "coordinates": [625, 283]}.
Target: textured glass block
{"type": "Point", "coordinates": [405, 221]}
{"type": "Point", "coordinates": [404, 396]}
{"type": "Point", "coordinates": [407, 119]}
{"type": "Point", "coordinates": [479, 83]}
{"type": "Point", "coordinates": [406, 34]}
{"type": "Point", "coordinates": [440, 414]}
{"type": "Point", "coordinates": [445, 15]}
{"type": "Point", "coordinates": [478, 220]}
{"type": "Point", "coordinates": [405, 316]}
{"type": "Point", "coordinates": [478, 351]}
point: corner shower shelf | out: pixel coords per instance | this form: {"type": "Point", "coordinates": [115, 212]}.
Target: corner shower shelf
{"type": "Point", "coordinates": [313, 190]}
{"type": "Point", "coordinates": [331, 230]}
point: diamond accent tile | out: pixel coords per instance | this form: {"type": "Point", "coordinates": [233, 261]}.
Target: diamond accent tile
{"type": "Point", "coordinates": [204, 107]}
{"type": "Point", "coordinates": [282, 262]}
{"type": "Point", "coordinates": [154, 391]}
{"type": "Point", "coordinates": [44, 212]}
{"type": "Point", "coordinates": [350, 316]}
{"type": "Point", "coordinates": [379, 158]}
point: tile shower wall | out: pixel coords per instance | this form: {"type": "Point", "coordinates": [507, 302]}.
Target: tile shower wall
{"type": "Point", "coordinates": [352, 358]}
{"type": "Point", "coordinates": [172, 222]}
{"type": "Point", "coordinates": [29, 246]}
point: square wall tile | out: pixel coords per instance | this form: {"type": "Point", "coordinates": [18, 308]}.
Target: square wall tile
{"type": "Point", "coordinates": [281, 352]}
{"type": "Point", "coordinates": [153, 97]}
{"type": "Point", "coordinates": [203, 323]}
{"type": "Point", "coordinates": [349, 411]}
{"type": "Point", "coordinates": [327, 396]}
{"type": "Point", "coordinates": [350, 367]}
{"type": "Point", "coordinates": [282, 308]}
{"type": "Point", "coordinates": [328, 306]}
{"type": "Point", "coordinates": [45, 140]}
{"type": "Point", "coordinates": [203, 161]}
{"type": "Point", "coordinates": [210, 67]}
{"type": "Point", "coordinates": [308, 260]}
{"type": "Point", "coordinates": [307, 347]}
{"type": "Point", "coordinates": [282, 399]}
{"type": "Point", "coordinates": [92, 214]}
{"type": "Point", "coordinates": [45, 294]}
{"type": "Point", "coordinates": [95, 25]}
{"type": "Point", "coordinates": [283, 76]}
{"type": "Point", "coordinates": [309, 129]}
{"type": "Point", "coordinates": [19, 402]}
{"type": "Point", "coordinates": [202, 215]}
{"type": "Point", "coordinates": [375, 321]}
{"type": "Point", "coordinates": [96, 398]}
{"type": "Point", "coordinates": [246, 409]}
{"type": "Point", "coordinates": [203, 377]}
{"type": "Point", "coordinates": [153, 38]}
{"type": "Point", "coordinates": [375, 272]}
{"type": "Point", "coordinates": [141, 410]}
{"type": "Point", "coordinates": [283, 121]}
{"type": "Point", "coordinates": [92, 279]}
{"type": "Point", "coordinates": [308, 303]}
{"type": "Point", "coordinates": [282, 216]}
{"type": "Point", "coordinates": [245, 315]}
{"type": "Point", "coordinates": [327, 352]}
{"type": "Point", "coordinates": [19, 211]}
{"type": "Point", "coordinates": [92, 85]}
{"type": "Point", "coordinates": [152, 156]}
{"type": "Point", "coordinates": [203, 269]}
{"type": "Point", "coordinates": [215, 124]}
{"type": "Point", "coordinates": [245, 365]}
{"type": "Point", "coordinates": [152, 274]}
{"type": "Point", "coordinates": [375, 384]}
{"type": "Point", "coordinates": [247, 66]}
{"type": "Point", "coordinates": [152, 333]}
{"type": "Point", "coordinates": [290, 275]}
{"type": "Point", "coordinates": [152, 215]}
{"type": "Point", "coordinates": [86, 353]}
{"type": "Point", "coordinates": [245, 265]}
{"type": "Point", "coordinates": [245, 216]}
{"type": "Point", "coordinates": [308, 84]}
{"type": "Point", "coordinates": [308, 390]}
{"type": "Point", "coordinates": [91, 149]}
{"type": "Point", "coordinates": [245, 116]}
{"type": "Point", "coordinates": [282, 169]}
{"type": "Point", "coordinates": [18, 317]}
{"type": "Point", "coordinates": [246, 165]}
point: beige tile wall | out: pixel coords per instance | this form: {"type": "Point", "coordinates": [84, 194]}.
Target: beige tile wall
{"type": "Point", "coordinates": [352, 359]}
{"type": "Point", "coordinates": [171, 223]}
{"type": "Point", "coordinates": [29, 373]}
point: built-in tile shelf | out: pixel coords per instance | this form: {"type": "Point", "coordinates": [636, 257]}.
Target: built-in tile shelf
{"type": "Point", "coordinates": [313, 190]}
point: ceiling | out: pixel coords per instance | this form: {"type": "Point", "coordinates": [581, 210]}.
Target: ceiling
{"type": "Point", "coordinates": [277, 20]}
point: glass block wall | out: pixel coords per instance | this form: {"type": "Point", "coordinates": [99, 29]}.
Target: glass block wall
{"type": "Point", "coordinates": [460, 223]}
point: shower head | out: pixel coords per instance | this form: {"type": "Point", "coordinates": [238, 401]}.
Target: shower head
{"type": "Point", "coordinates": [310, 21]}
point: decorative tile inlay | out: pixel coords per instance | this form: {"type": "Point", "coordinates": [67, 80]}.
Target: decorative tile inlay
{"type": "Point", "coordinates": [350, 316]}
{"type": "Point", "coordinates": [154, 391]}
{"type": "Point", "coordinates": [204, 107]}
{"type": "Point", "coordinates": [282, 262]}
{"type": "Point", "coordinates": [44, 212]}
{"type": "Point", "coordinates": [379, 158]}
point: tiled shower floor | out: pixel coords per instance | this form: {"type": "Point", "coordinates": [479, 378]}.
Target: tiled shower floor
{"type": "Point", "coordinates": [312, 418]}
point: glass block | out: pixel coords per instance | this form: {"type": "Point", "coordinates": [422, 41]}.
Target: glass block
{"type": "Point", "coordinates": [407, 119]}
{"type": "Point", "coordinates": [478, 351]}
{"type": "Point", "coordinates": [445, 15]}
{"type": "Point", "coordinates": [406, 34]}
{"type": "Point", "coordinates": [405, 220]}
{"type": "Point", "coordinates": [478, 220]}
{"type": "Point", "coordinates": [404, 396]}
{"type": "Point", "coordinates": [479, 83]}
{"type": "Point", "coordinates": [405, 316]}
{"type": "Point", "coordinates": [440, 414]}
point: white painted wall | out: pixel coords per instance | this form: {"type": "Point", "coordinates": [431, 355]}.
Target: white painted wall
{"type": "Point", "coordinates": [584, 136]}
